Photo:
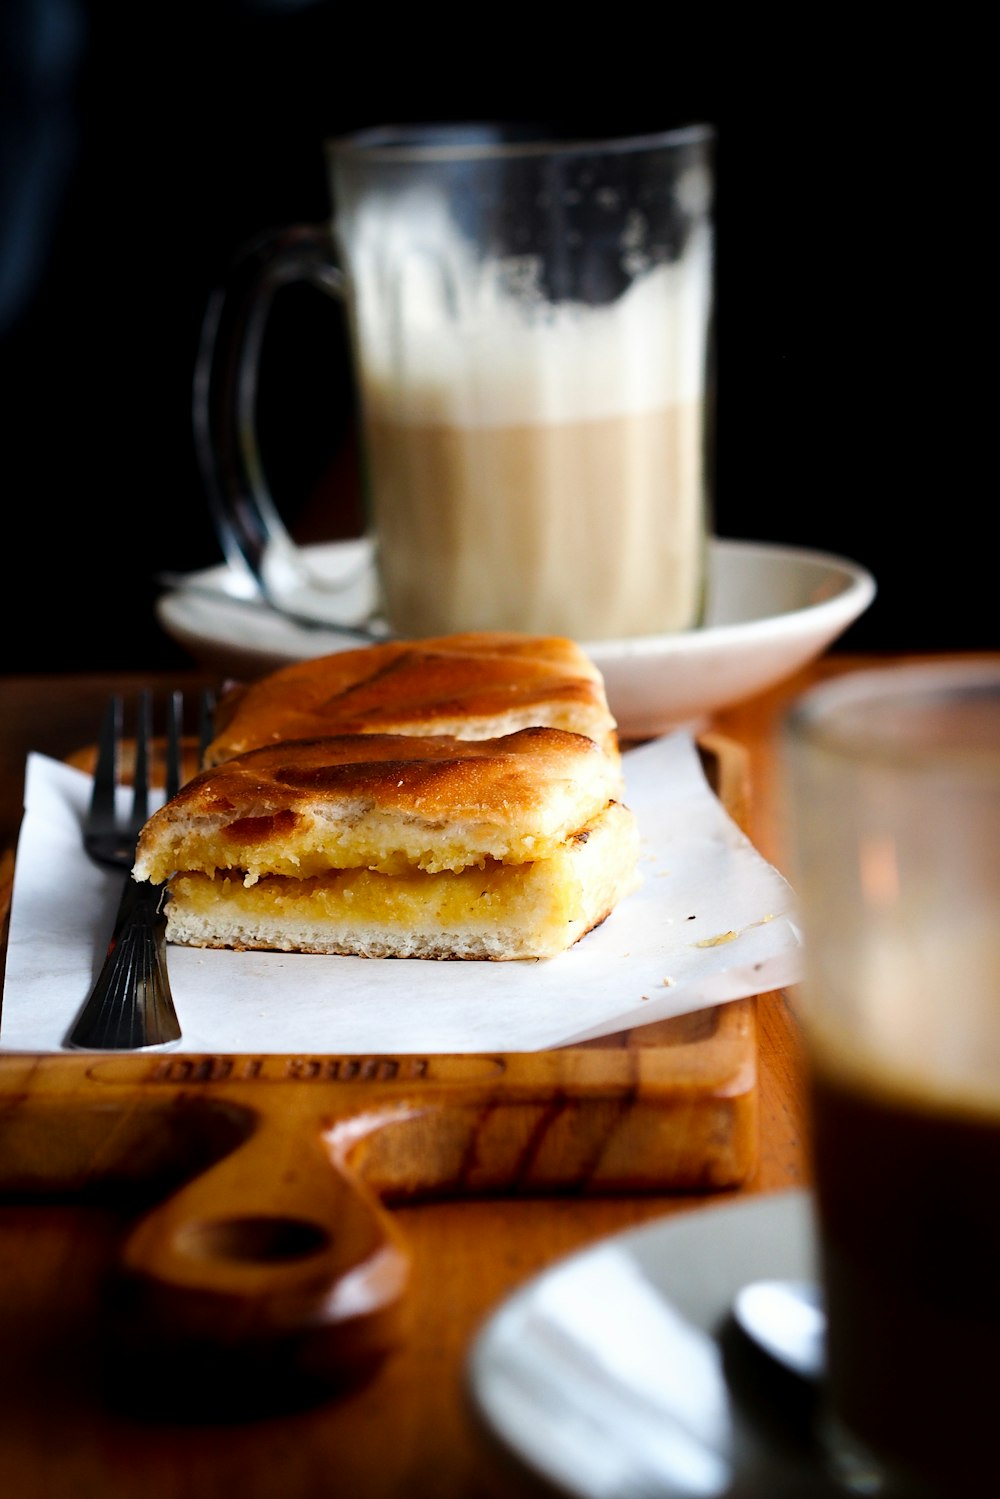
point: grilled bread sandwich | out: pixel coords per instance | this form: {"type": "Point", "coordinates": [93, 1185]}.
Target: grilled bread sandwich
{"type": "Point", "coordinates": [420, 842]}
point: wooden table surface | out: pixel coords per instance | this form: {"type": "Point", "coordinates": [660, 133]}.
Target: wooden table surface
{"type": "Point", "coordinates": [410, 1430]}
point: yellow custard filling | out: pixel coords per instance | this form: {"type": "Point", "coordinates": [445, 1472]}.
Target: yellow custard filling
{"type": "Point", "coordinates": [310, 849]}
{"type": "Point", "coordinates": [445, 899]}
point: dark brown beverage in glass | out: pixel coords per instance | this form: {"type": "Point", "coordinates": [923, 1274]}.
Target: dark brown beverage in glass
{"type": "Point", "coordinates": [908, 1191]}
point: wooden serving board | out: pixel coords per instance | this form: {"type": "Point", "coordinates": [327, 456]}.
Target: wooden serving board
{"type": "Point", "coordinates": [270, 1241]}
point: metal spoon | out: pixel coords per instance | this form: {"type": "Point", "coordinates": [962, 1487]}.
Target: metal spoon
{"type": "Point", "coordinates": [787, 1320]}
{"type": "Point", "coordinates": [260, 605]}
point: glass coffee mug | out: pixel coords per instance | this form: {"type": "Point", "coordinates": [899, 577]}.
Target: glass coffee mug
{"type": "Point", "coordinates": [531, 334]}
{"type": "Point", "coordinates": [893, 805]}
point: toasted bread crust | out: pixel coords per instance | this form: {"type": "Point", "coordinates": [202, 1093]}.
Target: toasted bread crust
{"type": "Point", "coordinates": [382, 801]}
{"type": "Point", "coordinates": [472, 686]}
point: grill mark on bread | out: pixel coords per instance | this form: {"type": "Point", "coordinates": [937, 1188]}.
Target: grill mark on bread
{"type": "Point", "coordinates": [410, 781]}
{"type": "Point", "coordinates": [255, 829]}
{"type": "Point", "coordinates": [442, 686]}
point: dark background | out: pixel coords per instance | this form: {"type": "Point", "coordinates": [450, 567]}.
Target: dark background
{"type": "Point", "coordinates": [141, 146]}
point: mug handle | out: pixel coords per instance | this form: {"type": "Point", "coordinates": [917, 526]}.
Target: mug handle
{"type": "Point", "coordinates": [255, 541]}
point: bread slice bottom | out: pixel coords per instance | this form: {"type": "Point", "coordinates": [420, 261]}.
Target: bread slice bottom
{"type": "Point", "coordinates": [505, 911]}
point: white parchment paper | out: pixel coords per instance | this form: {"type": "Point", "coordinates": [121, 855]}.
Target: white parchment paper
{"type": "Point", "coordinates": [658, 955]}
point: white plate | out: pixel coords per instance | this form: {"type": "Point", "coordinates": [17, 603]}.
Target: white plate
{"type": "Point", "coordinates": [771, 609]}
{"type": "Point", "coordinates": [615, 1374]}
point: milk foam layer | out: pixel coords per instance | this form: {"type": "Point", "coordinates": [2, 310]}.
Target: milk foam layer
{"type": "Point", "coordinates": [512, 358]}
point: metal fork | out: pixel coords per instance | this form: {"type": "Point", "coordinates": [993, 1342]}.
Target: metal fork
{"type": "Point", "coordinates": [131, 1005]}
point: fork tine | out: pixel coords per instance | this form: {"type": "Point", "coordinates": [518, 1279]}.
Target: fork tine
{"type": "Point", "coordinates": [102, 801]}
{"type": "Point", "coordinates": [140, 781]}
{"type": "Point", "coordinates": [175, 722]}
{"type": "Point", "coordinates": [206, 723]}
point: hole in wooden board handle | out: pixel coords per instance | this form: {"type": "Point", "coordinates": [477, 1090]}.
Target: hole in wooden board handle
{"type": "Point", "coordinates": [272, 1271]}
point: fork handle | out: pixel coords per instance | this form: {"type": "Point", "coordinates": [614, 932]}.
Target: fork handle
{"type": "Point", "coordinates": [131, 1005]}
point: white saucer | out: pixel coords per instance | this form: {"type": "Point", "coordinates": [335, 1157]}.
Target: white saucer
{"type": "Point", "coordinates": [612, 1374]}
{"type": "Point", "coordinates": [771, 609]}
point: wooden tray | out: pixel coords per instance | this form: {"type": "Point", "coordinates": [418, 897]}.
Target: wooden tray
{"type": "Point", "coordinates": [271, 1242]}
